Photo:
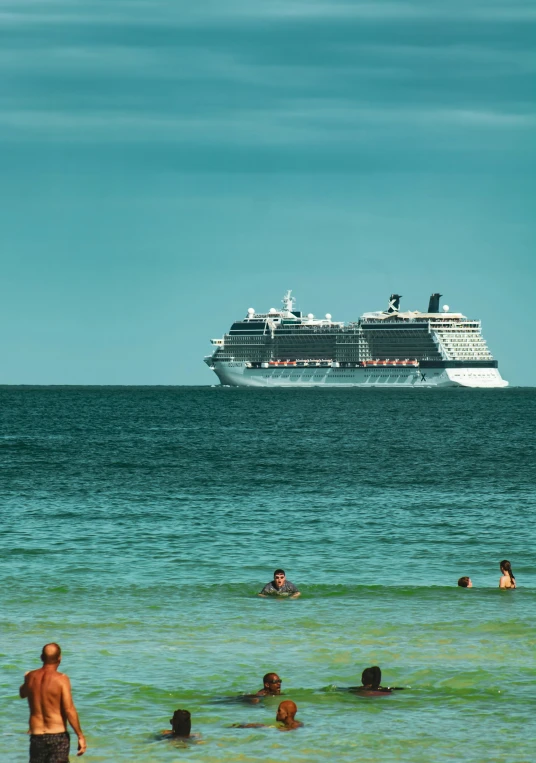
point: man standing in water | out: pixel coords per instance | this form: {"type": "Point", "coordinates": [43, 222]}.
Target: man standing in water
{"type": "Point", "coordinates": [51, 706]}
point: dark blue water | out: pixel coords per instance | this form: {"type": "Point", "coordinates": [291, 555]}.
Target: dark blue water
{"type": "Point", "coordinates": [138, 524]}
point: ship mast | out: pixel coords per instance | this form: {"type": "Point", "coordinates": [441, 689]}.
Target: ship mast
{"type": "Point", "coordinates": [288, 301]}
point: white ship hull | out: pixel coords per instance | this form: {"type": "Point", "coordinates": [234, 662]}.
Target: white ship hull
{"type": "Point", "coordinates": [239, 374]}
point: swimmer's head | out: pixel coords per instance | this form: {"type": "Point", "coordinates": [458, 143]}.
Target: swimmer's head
{"type": "Point", "coordinates": [465, 582]}
{"type": "Point", "coordinates": [286, 711]}
{"type": "Point", "coordinates": [181, 723]}
{"type": "Point", "coordinates": [272, 683]}
{"type": "Point", "coordinates": [371, 677]}
{"type": "Point", "coordinates": [51, 654]}
{"type": "Point", "coordinates": [279, 578]}
{"type": "Point", "coordinates": [506, 569]}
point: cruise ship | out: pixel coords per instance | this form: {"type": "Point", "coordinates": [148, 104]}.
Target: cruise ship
{"type": "Point", "coordinates": [390, 348]}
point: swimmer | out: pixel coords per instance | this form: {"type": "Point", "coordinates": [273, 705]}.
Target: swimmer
{"type": "Point", "coordinates": [370, 682]}
{"type": "Point", "coordinates": [371, 679]}
{"type": "Point", "coordinates": [271, 686]}
{"type": "Point", "coordinates": [286, 713]}
{"type": "Point", "coordinates": [181, 726]}
{"type": "Point", "coordinates": [280, 586]}
{"type": "Point", "coordinates": [465, 582]}
{"type": "Point", "coordinates": [507, 579]}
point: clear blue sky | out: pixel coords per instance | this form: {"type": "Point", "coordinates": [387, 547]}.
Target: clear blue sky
{"type": "Point", "coordinates": [168, 164]}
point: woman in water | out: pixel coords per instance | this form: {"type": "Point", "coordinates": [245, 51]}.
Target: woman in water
{"type": "Point", "coordinates": [507, 579]}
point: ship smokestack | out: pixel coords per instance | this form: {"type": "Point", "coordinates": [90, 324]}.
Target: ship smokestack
{"type": "Point", "coordinates": [433, 305]}
{"type": "Point", "coordinates": [394, 303]}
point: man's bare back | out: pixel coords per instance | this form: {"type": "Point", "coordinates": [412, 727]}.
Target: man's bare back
{"type": "Point", "coordinates": [49, 696]}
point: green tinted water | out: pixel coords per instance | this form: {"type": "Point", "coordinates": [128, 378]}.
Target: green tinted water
{"type": "Point", "coordinates": [138, 525]}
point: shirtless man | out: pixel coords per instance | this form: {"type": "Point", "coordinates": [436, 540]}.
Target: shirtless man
{"type": "Point", "coordinates": [286, 713]}
{"type": "Point", "coordinates": [272, 685]}
{"type": "Point", "coordinates": [51, 705]}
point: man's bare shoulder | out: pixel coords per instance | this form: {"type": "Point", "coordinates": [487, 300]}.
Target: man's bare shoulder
{"type": "Point", "coordinates": [44, 671]}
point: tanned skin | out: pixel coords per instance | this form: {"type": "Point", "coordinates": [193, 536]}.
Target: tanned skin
{"type": "Point", "coordinates": [272, 686]}
{"type": "Point", "coordinates": [505, 580]}
{"type": "Point", "coordinates": [49, 696]}
{"type": "Point", "coordinates": [285, 715]}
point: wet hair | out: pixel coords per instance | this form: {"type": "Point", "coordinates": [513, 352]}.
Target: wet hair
{"type": "Point", "coordinates": [371, 677]}
{"type": "Point", "coordinates": [51, 654]}
{"type": "Point", "coordinates": [279, 572]}
{"type": "Point", "coordinates": [464, 582]}
{"type": "Point", "coordinates": [181, 723]}
{"type": "Point", "coordinates": [266, 677]}
{"type": "Point", "coordinates": [507, 567]}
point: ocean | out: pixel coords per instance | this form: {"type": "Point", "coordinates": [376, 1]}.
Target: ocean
{"type": "Point", "coordinates": [138, 524]}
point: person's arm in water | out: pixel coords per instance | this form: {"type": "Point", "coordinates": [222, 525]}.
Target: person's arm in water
{"type": "Point", "coordinates": [71, 714]}
{"type": "Point", "coordinates": [293, 592]}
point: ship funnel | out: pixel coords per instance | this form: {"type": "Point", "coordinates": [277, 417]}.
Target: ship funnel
{"type": "Point", "coordinates": [433, 305]}
{"type": "Point", "coordinates": [394, 303]}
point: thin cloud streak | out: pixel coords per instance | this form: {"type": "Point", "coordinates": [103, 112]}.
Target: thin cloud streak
{"type": "Point", "coordinates": [216, 12]}
{"type": "Point", "coordinates": [291, 126]}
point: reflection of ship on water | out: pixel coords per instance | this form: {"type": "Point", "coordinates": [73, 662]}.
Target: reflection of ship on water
{"type": "Point", "coordinates": [285, 348]}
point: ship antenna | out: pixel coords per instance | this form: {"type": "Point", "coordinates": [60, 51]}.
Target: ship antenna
{"type": "Point", "coordinates": [288, 301]}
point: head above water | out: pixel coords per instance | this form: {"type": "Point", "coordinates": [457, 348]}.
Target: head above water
{"type": "Point", "coordinates": [286, 711]}
{"type": "Point", "coordinates": [371, 677]}
{"type": "Point", "coordinates": [279, 577]}
{"type": "Point", "coordinates": [181, 723]}
{"type": "Point", "coordinates": [506, 569]}
{"type": "Point", "coordinates": [51, 654]}
{"type": "Point", "coordinates": [272, 683]}
{"type": "Point", "coordinates": [465, 582]}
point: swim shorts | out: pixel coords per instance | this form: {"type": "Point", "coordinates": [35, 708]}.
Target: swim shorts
{"type": "Point", "coordinates": [50, 748]}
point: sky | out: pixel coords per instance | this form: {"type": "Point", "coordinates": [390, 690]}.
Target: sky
{"type": "Point", "coordinates": [167, 164]}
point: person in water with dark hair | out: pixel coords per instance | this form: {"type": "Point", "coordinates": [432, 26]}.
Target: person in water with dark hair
{"type": "Point", "coordinates": [181, 726]}
{"type": "Point", "coordinates": [465, 582]}
{"type": "Point", "coordinates": [271, 686]}
{"type": "Point", "coordinates": [507, 579]}
{"type": "Point", "coordinates": [371, 679]}
{"type": "Point", "coordinates": [280, 586]}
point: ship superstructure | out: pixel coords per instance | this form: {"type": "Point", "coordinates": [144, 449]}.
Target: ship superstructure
{"type": "Point", "coordinates": [286, 348]}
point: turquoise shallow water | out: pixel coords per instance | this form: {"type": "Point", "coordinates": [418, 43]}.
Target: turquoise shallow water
{"type": "Point", "coordinates": [137, 525]}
